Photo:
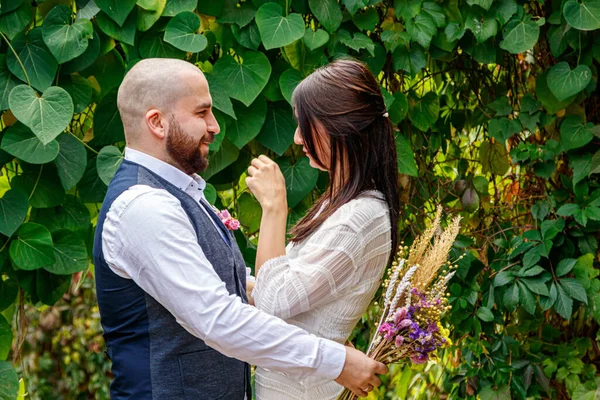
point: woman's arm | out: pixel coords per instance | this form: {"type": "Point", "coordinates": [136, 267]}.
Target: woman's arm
{"type": "Point", "coordinates": [267, 183]}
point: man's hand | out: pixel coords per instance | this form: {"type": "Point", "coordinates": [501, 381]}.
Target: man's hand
{"type": "Point", "coordinates": [359, 373]}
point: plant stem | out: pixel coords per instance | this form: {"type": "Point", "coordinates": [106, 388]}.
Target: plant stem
{"type": "Point", "coordinates": [17, 57]}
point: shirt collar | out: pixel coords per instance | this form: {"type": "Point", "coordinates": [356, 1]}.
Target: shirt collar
{"type": "Point", "coordinates": [166, 171]}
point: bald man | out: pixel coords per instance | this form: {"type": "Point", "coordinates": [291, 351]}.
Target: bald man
{"type": "Point", "coordinates": [170, 279]}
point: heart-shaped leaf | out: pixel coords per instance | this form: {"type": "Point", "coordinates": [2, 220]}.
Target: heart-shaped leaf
{"type": "Point", "coordinates": [502, 129]}
{"type": "Point", "coordinates": [72, 215]}
{"type": "Point", "coordinates": [9, 381]}
{"type": "Point", "coordinates": [250, 212]}
{"type": "Point", "coordinates": [520, 36]}
{"type": "Point", "coordinates": [277, 133]}
{"type": "Point", "coordinates": [80, 90]}
{"type": "Point", "coordinates": [244, 81]}
{"type": "Point", "coordinates": [32, 248]}
{"type": "Point", "coordinates": [70, 253]}
{"type": "Point", "coordinates": [147, 18]}
{"type": "Point", "coordinates": [354, 5]}
{"type": "Point", "coordinates": [399, 107]}
{"type": "Point", "coordinates": [86, 59]}
{"type": "Point", "coordinates": [13, 207]}
{"type": "Point", "coordinates": [545, 96]}
{"type": "Point", "coordinates": [39, 63]}
{"type": "Point", "coordinates": [248, 36]}
{"type": "Point", "coordinates": [315, 39]}
{"type": "Point", "coordinates": [150, 5]}
{"type": "Point", "coordinates": [421, 29]}
{"type": "Point", "coordinates": [118, 10]}
{"type": "Point", "coordinates": [107, 163]}
{"type": "Point", "coordinates": [564, 82]}
{"type": "Point", "coordinates": [71, 160]}
{"type": "Point", "coordinates": [300, 179]}
{"type": "Point", "coordinates": [14, 22]}
{"type": "Point", "coordinates": [583, 14]}
{"type": "Point", "coordinates": [574, 134]}
{"type": "Point", "coordinates": [220, 160]}
{"type": "Point", "coordinates": [46, 116]}
{"type": "Point", "coordinates": [9, 5]}
{"type": "Point", "coordinates": [154, 46]}
{"type": "Point", "coordinates": [7, 83]}
{"type": "Point", "coordinates": [424, 111]}
{"type": "Point", "coordinates": [174, 7]}
{"type": "Point", "coordinates": [288, 81]}
{"type": "Point", "coordinates": [221, 100]}
{"type": "Point", "coordinates": [277, 30]}
{"type": "Point", "coordinates": [406, 157]}
{"type": "Point", "coordinates": [50, 288]}
{"type": "Point", "coordinates": [328, 13]}
{"type": "Point", "coordinates": [66, 39]}
{"type": "Point", "coordinates": [22, 143]}
{"type": "Point", "coordinates": [232, 14]}
{"type": "Point", "coordinates": [182, 33]}
{"type": "Point", "coordinates": [123, 33]}
{"type": "Point", "coordinates": [108, 127]}
{"type": "Point", "coordinates": [248, 124]}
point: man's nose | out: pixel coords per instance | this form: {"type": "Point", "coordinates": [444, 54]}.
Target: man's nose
{"type": "Point", "coordinates": [212, 125]}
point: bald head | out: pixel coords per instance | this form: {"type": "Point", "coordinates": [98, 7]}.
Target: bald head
{"type": "Point", "coordinates": [154, 83]}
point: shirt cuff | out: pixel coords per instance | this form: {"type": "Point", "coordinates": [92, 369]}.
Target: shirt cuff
{"type": "Point", "coordinates": [249, 276]}
{"type": "Point", "coordinates": [333, 358]}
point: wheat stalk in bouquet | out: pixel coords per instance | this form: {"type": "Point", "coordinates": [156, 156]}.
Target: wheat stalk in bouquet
{"type": "Point", "coordinates": [415, 300]}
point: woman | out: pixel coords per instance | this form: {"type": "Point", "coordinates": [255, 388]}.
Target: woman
{"type": "Point", "coordinates": [325, 279]}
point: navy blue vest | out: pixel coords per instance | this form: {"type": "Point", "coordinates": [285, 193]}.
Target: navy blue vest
{"type": "Point", "coordinates": [153, 357]}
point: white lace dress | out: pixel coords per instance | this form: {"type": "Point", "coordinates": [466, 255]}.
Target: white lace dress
{"type": "Point", "coordinates": [324, 285]}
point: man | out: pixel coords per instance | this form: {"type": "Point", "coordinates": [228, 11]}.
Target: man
{"type": "Point", "coordinates": [171, 282]}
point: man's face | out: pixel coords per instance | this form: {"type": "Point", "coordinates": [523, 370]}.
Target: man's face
{"type": "Point", "coordinates": [192, 126]}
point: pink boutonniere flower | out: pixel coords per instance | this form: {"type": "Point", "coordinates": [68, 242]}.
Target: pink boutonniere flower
{"type": "Point", "coordinates": [230, 223]}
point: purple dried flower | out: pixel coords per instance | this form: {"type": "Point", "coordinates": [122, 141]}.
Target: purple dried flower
{"type": "Point", "coordinates": [419, 358]}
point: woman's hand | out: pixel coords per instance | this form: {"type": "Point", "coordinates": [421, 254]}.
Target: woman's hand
{"type": "Point", "coordinates": [267, 183]}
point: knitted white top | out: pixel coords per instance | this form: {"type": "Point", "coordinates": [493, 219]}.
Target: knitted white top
{"type": "Point", "coordinates": [324, 285]}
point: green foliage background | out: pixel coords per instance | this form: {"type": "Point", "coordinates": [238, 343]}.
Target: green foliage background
{"type": "Point", "coordinates": [497, 109]}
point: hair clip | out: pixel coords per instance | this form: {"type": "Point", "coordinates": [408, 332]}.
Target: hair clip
{"type": "Point", "coordinates": [386, 114]}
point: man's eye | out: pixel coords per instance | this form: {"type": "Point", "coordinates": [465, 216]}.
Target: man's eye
{"type": "Point", "coordinates": [201, 113]}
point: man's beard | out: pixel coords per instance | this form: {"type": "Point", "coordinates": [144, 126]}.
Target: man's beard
{"type": "Point", "coordinates": [184, 150]}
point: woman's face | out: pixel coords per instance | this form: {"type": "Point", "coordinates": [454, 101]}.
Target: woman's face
{"type": "Point", "coordinates": [321, 147]}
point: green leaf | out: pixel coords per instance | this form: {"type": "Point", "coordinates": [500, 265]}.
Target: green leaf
{"type": "Point", "coordinates": [218, 161]}
{"type": "Point", "coordinates": [511, 297]}
{"type": "Point", "coordinates": [504, 10]}
{"type": "Point", "coordinates": [86, 59]}
{"type": "Point", "coordinates": [558, 38]}
{"type": "Point", "coordinates": [8, 292]}
{"type": "Point", "coordinates": [482, 25]}
{"type": "Point", "coordinates": [107, 163]}
{"type": "Point", "coordinates": [551, 228]}
{"type": "Point", "coordinates": [70, 253]}
{"type": "Point", "coordinates": [399, 108]}
{"type": "Point", "coordinates": [470, 200]}
{"type": "Point", "coordinates": [232, 14]}
{"type": "Point", "coordinates": [39, 63]}
{"type": "Point", "coordinates": [564, 82]}
{"type": "Point", "coordinates": [406, 157]}
{"type": "Point", "coordinates": [583, 14]}
{"type": "Point", "coordinates": [407, 9]}
{"type": "Point", "coordinates": [485, 4]}
{"type": "Point", "coordinates": [10, 5]}
{"type": "Point", "coordinates": [174, 7]}
{"type": "Point", "coordinates": [502, 278]}
{"type": "Point", "coordinates": [547, 302]}
{"type": "Point", "coordinates": [181, 33]}
{"type": "Point", "coordinates": [574, 134]}
{"type": "Point", "coordinates": [91, 188]}
{"type": "Point", "coordinates": [80, 90]}
{"type": "Point", "coordinates": [277, 133]}
{"type": "Point", "coordinates": [436, 12]}
{"type": "Point", "coordinates": [567, 210]}
{"type": "Point", "coordinates": [481, 184]}
{"type": "Point", "coordinates": [531, 257]}
{"type": "Point", "coordinates": [494, 158]}
{"type": "Point", "coordinates": [71, 160]}
{"type": "Point", "coordinates": [150, 5]}
{"type": "Point", "coordinates": [118, 10]}
{"type": "Point", "coordinates": [288, 81]}
{"type": "Point", "coordinates": [564, 303]}
{"type": "Point", "coordinates": [123, 33]}
{"type": "Point", "coordinates": [108, 127]}
{"type": "Point", "coordinates": [485, 314]}
{"type": "Point", "coordinates": [357, 42]}
{"type": "Point", "coordinates": [51, 287]}
{"type": "Point", "coordinates": [41, 184]}
{"type": "Point", "coordinates": [328, 13]}
{"type": "Point", "coordinates": [582, 166]}
{"type": "Point", "coordinates": [46, 116]}
{"type": "Point", "coordinates": [66, 39]}
{"type": "Point", "coordinates": [421, 29]}
{"type": "Point", "coordinates": [5, 338]}
{"type": "Point", "coordinates": [367, 20]}
{"type": "Point", "coordinates": [147, 18]}
{"type": "Point", "coordinates": [14, 22]}
{"type": "Point", "coordinates": [574, 289]}
{"type": "Point", "coordinates": [248, 36]}
{"type": "Point", "coordinates": [536, 285]}
{"type": "Point", "coordinates": [354, 5]}
{"type": "Point", "coordinates": [249, 123]}
{"type": "Point", "coordinates": [502, 129]}
{"type": "Point", "coordinates": [210, 193]}
{"type": "Point", "coordinates": [545, 96]}
{"type": "Point", "coordinates": [300, 179]}
{"type": "Point", "coordinates": [527, 298]}
{"type": "Point", "coordinates": [7, 83]}
{"type": "Point", "coordinates": [244, 81]}
{"type": "Point", "coordinates": [72, 215]}
{"type": "Point", "coordinates": [32, 248]}
{"type": "Point", "coordinates": [520, 36]}
{"type": "Point", "coordinates": [250, 213]}
{"type": "Point", "coordinates": [277, 30]}
{"type": "Point", "coordinates": [22, 143]}
{"type": "Point", "coordinates": [424, 111]}
{"type": "Point", "coordinates": [13, 210]}
{"type": "Point", "coordinates": [9, 381]}
{"type": "Point", "coordinates": [315, 39]}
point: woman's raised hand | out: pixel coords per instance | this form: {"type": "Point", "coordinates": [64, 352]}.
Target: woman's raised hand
{"type": "Point", "coordinates": [267, 183]}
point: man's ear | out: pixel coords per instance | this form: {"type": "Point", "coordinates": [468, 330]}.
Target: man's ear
{"type": "Point", "coordinates": [157, 124]}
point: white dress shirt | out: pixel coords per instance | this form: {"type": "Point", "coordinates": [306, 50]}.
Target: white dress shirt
{"type": "Point", "coordinates": [148, 237]}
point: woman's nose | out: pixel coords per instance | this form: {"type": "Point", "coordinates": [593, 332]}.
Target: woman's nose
{"type": "Point", "coordinates": [298, 137]}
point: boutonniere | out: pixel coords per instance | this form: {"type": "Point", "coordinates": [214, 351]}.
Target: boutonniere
{"type": "Point", "coordinates": [230, 223]}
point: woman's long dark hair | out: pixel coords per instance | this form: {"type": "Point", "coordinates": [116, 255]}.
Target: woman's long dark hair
{"type": "Point", "coordinates": [344, 101]}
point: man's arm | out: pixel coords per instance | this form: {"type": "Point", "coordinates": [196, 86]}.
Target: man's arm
{"type": "Point", "coordinates": [152, 241]}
